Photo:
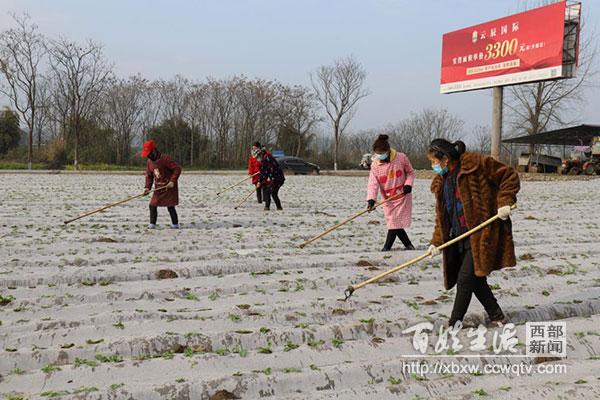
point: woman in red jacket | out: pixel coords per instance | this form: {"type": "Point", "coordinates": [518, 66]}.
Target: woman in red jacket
{"type": "Point", "coordinates": [163, 172]}
{"type": "Point", "coordinates": [254, 168]}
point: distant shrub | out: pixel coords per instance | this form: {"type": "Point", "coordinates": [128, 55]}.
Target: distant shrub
{"type": "Point", "coordinates": [56, 154]}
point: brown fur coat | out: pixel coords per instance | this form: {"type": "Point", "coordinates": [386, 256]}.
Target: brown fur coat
{"type": "Point", "coordinates": [484, 185]}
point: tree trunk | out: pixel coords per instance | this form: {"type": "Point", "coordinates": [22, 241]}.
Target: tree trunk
{"type": "Point", "coordinates": [299, 145]}
{"type": "Point", "coordinates": [75, 161]}
{"type": "Point", "coordinates": [336, 133]}
{"type": "Point", "coordinates": [497, 105]}
{"type": "Point", "coordinates": [119, 148]}
{"type": "Point", "coordinates": [192, 147]}
{"type": "Point", "coordinates": [30, 152]}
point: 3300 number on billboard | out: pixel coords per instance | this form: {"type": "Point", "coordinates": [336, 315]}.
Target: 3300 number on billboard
{"type": "Point", "coordinates": [501, 49]}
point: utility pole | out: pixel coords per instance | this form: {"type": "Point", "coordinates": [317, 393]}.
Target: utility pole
{"type": "Point", "coordinates": [496, 121]}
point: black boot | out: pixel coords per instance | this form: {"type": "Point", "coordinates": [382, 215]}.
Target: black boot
{"type": "Point", "coordinates": [275, 196]}
{"type": "Point", "coordinates": [389, 240]}
{"type": "Point", "coordinates": [259, 195]}
{"type": "Point", "coordinates": [266, 197]}
{"type": "Point", "coordinates": [405, 240]}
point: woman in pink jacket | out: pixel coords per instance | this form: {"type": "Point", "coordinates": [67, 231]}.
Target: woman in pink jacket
{"type": "Point", "coordinates": [393, 176]}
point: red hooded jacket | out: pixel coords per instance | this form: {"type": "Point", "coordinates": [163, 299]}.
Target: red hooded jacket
{"type": "Point", "coordinates": [253, 168]}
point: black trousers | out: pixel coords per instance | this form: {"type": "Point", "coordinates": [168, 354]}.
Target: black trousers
{"type": "Point", "coordinates": [259, 194]}
{"type": "Point", "coordinates": [267, 193]}
{"type": "Point", "coordinates": [172, 213]}
{"type": "Point", "coordinates": [391, 238]}
{"type": "Point", "coordinates": [468, 284]}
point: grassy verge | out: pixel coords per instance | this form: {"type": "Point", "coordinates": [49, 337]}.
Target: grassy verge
{"type": "Point", "coordinates": [104, 167]}
{"type": "Point", "coordinates": [16, 165]}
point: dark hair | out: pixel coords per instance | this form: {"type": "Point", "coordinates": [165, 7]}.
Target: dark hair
{"type": "Point", "coordinates": [382, 143]}
{"type": "Point", "coordinates": [257, 144]}
{"type": "Point", "coordinates": [441, 147]}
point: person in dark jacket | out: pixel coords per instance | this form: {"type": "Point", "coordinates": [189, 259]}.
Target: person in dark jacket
{"type": "Point", "coordinates": [271, 178]}
{"type": "Point", "coordinates": [162, 171]}
{"type": "Point", "coordinates": [469, 189]}
{"type": "Point", "coordinates": [254, 168]}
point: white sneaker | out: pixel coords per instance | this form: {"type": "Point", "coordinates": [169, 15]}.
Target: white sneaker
{"type": "Point", "coordinates": [174, 226]}
{"type": "Point", "coordinates": [151, 226]}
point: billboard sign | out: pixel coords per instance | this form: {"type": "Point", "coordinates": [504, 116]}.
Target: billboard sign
{"type": "Point", "coordinates": [521, 48]}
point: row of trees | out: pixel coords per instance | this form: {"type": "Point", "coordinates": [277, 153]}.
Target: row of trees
{"type": "Point", "coordinates": [66, 93]}
{"type": "Point", "coordinates": [211, 123]}
{"type": "Point", "coordinates": [412, 136]}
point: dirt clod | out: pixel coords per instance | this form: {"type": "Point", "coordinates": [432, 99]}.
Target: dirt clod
{"type": "Point", "coordinates": [166, 274]}
{"type": "Point", "coordinates": [223, 395]}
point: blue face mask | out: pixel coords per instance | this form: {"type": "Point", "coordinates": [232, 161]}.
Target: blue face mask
{"type": "Point", "coordinates": [381, 157]}
{"type": "Point", "coordinates": [437, 168]}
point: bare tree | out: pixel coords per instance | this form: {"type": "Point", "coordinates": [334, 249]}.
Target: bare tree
{"type": "Point", "coordinates": [361, 142]}
{"type": "Point", "coordinates": [195, 115]}
{"type": "Point", "coordinates": [297, 113]}
{"type": "Point", "coordinates": [430, 124]}
{"type": "Point", "coordinates": [254, 117]}
{"type": "Point", "coordinates": [58, 110]}
{"type": "Point", "coordinates": [43, 109]}
{"type": "Point", "coordinates": [339, 88]}
{"type": "Point", "coordinates": [124, 104]}
{"type": "Point", "coordinates": [539, 106]}
{"type": "Point", "coordinates": [481, 140]}
{"type": "Point", "coordinates": [22, 50]}
{"type": "Point", "coordinates": [221, 100]}
{"type": "Point", "coordinates": [413, 135]}
{"type": "Point", "coordinates": [152, 109]}
{"type": "Point", "coordinates": [174, 96]}
{"type": "Point", "coordinates": [82, 74]}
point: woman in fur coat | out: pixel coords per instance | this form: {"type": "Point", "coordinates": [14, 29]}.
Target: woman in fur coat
{"type": "Point", "coordinates": [469, 189]}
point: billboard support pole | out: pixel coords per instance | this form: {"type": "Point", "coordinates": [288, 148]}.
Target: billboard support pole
{"type": "Point", "coordinates": [497, 95]}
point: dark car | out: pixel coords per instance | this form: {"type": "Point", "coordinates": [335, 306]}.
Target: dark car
{"type": "Point", "coordinates": [297, 166]}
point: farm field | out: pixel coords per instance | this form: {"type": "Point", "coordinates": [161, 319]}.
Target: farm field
{"type": "Point", "coordinates": [229, 306]}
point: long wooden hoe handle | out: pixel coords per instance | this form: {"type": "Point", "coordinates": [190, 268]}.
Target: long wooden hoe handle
{"type": "Point", "coordinates": [246, 197]}
{"type": "Point", "coordinates": [234, 185]}
{"type": "Point", "coordinates": [113, 204]}
{"type": "Point", "coordinates": [333, 228]}
{"type": "Point", "coordinates": [350, 290]}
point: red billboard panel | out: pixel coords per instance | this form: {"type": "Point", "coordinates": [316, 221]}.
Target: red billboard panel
{"type": "Point", "coordinates": [524, 47]}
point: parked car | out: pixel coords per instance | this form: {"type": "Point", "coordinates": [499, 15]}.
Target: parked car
{"type": "Point", "coordinates": [297, 166]}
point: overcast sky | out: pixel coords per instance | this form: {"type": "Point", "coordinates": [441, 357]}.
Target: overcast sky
{"type": "Point", "coordinates": [398, 42]}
